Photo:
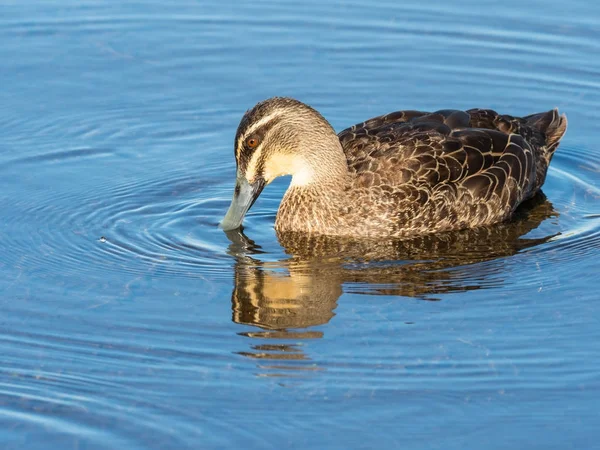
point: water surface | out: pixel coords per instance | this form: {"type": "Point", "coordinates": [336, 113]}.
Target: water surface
{"type": "Point", "coordinates": [131, 321]}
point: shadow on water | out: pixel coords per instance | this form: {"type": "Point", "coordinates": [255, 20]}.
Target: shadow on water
{"type": "Point", "coordinates": [286, 299]}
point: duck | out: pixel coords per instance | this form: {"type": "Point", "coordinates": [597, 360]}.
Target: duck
{"type": "Point", "coordinates": [398, 175]}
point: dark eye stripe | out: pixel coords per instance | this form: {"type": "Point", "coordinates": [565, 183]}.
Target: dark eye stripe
{"type": "Point", "coordinates": [245, 158]}
{"type": "Point", "coordinates": [260, 132]}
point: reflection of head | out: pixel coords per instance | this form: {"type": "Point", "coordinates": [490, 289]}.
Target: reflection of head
{"type": "Point", "coordinates": [276, 300]}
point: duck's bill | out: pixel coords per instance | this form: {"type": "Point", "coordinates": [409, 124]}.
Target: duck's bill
{"type": "Point", "coordinates": [244, 196]}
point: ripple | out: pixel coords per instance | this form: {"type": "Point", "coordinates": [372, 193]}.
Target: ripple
{"type": "Point", "coordinates": [41, 386]}
{"type": "Point", "coordinates": [152, 226]}
{"type": "Point", "coordinates": [131, 321]}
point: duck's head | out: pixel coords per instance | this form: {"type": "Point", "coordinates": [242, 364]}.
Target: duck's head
{"type": "Point", "coordinates": [279, 136]}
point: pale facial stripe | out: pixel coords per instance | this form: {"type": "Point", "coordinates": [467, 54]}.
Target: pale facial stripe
{"type": "Point", "coordinates": [252, 166]}
{"type": "Point", "coordinates": [261, 122]}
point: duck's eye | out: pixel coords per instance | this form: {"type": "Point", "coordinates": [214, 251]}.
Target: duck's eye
{"type": "Point", "coordinates": [252, 142]}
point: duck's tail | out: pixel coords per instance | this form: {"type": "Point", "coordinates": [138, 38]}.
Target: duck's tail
{"type": "Point", "coordinates": [553, 125]}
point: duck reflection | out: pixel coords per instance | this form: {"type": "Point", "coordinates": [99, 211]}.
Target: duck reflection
{"type": "Point", "coordinates": [286, 299]}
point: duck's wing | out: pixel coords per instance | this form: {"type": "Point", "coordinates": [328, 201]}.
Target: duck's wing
{"type": "Point", "coordinates": [478, 150]}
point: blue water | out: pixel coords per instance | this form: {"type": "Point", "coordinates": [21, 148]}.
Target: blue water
{"type": "Point", "coordinates": [129, 320]}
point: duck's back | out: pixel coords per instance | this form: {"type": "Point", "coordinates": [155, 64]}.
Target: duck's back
{"type": "Point", "coordinates": [450, 169]}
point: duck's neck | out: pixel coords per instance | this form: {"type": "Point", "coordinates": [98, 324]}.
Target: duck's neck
{"type": "Point", "coordinates": [322, 167]}
{"type": "Point", "coordinates": [315, 200]}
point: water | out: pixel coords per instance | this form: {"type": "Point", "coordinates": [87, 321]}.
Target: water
{"type": "Point", "coordinates": [129, 320]}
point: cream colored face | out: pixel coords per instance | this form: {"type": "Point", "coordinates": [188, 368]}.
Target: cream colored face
{"type": "Point", "coordinates": [268, 159]}
{"type": "Point", "coordinates": [273, 164]}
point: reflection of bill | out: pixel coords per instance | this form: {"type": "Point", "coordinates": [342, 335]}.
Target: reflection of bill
{"type": "Point", "coordinates": [302, 291]}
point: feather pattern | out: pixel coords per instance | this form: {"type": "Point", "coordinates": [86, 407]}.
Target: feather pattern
{"type": "Point", "coordinates": [410, 172]}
